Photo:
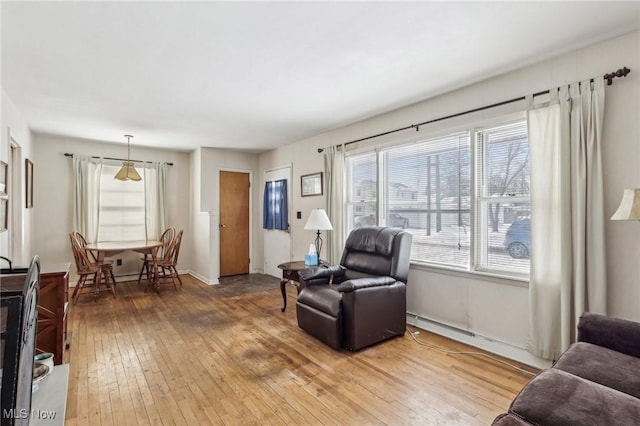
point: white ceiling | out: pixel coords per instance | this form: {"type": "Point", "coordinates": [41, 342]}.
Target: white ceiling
{"type": "Point", "coordinates": [254, 76]}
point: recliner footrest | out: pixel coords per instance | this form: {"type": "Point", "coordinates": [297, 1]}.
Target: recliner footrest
{"type": "Point", "coordinates": [324, 327]}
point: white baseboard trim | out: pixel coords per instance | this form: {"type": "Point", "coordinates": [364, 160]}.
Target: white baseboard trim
{"type": "Point", "coordinates": [133, 277]}
{"type": "Point", "coordinates": [123, 278]}
{"type": "Point", "coordinates": [203, 279]}
{"type": "Point", "coordinates": [485, 343]}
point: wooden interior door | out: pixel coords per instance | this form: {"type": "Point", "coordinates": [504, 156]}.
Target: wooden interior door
{"type": "Point", "coordinates": [234, 223]}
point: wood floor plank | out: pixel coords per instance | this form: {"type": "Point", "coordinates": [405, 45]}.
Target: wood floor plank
{"type": "Point", "coordinates": [198, 356]}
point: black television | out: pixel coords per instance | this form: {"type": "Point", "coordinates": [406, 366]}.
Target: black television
{"type": "Point", "coordinates": [19, 307]}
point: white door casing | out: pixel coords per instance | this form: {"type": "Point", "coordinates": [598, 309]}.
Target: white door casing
{"type": "Point", "coordinates": [277, 243]}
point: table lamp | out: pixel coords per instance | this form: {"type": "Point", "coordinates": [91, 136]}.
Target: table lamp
{"type": "Point", "coordinates": [629, 208]}
{"type": "Point", "coordinates": [318, 221]}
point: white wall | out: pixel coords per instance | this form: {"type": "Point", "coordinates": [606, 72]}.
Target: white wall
{"type": "Point", "coordinates": [498, 309]}
{"type": "Point", "coordinates": [201, 263]}
{"type": "Point", "coordinates": [53, 190]}
{"type": "Point", "coordinates": [304, 159]}
{"type": "Point", "coordinates": [207, 164]}
{"type": "Point", "coordinates": [13, 127]}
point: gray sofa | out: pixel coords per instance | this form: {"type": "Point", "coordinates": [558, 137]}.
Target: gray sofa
{"type": "Point", "coordinates": [595, 382]}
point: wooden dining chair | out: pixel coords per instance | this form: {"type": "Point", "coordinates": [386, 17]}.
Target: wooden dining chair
{"type": "Point", "coordinates": [167, 264]}
{"type": "Point", "coordinates": [147, 268]}
{"type": "Point", "coordinates": [91, 273]}
{"type": "Point", "coordinates": [107, 265]}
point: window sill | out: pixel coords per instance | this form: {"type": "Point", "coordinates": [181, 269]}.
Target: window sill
{"type": "Point", "coordinates": [494, 277]}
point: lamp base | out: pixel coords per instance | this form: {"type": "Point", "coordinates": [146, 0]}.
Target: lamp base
{"type": "Point", "coordinates": [318, 244]}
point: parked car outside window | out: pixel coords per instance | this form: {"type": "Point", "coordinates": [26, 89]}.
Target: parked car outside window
{"type": "Point", "coordinates": [395, 221]}
{"type": "Point", "coordinates": [517, 240]}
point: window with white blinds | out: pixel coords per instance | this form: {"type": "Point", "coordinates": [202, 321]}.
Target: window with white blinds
{"type": "Point", "coordinates": [122, 210]}
{"type": "Point", "coordinates": [426, 189]}
{"type": "Point", "coordinates": [502, 205]}
{"type": "Point", "coordinates": [464, 197]}
{"type": "Point", "coordinates": [362, 191]}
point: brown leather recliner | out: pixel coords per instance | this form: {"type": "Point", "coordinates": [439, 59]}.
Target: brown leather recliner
{"type": "Point", "coordinates": [363, 300]}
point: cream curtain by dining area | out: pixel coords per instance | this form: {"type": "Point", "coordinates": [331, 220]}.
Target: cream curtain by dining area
{"type": "Point", "coordinates": [155, 187]}
{"type": "Point", "coordinates": [87, 173]}
{"type": "Point", "coordinates": [568, 271]}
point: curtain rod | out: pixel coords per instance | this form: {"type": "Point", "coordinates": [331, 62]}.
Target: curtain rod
{"type": "Point", "coordinates": [622, 72]}
{"type": "Point", "coordinates": [66, 154]}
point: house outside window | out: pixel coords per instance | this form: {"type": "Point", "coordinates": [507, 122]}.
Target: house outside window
{"type": "Point", "coordinates": [464, 197]}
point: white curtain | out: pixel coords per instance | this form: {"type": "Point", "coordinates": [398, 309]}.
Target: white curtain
{"type": "Point", "coordinates": [568, 271]}
{"type": "Point", "coordinates": [155, 186]}
{"type": "Point", "coordinates": [86, 200]}
{"type": "Point", "coordinates": [334, 173]}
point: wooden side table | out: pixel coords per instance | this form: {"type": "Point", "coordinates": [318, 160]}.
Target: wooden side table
{"type": "Point", "coordinates": [290, 273]}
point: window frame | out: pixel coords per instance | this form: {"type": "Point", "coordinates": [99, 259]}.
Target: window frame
{"type": "Point", "coordinates": [107, 173]}
{"type": "Point", "coordinates": [475, 265]}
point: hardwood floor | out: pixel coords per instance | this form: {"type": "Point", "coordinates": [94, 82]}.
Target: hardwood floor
{"type": "Point", "coordinates": [197, 357]}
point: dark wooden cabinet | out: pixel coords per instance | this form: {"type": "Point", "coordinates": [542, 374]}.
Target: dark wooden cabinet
{"type": "Point", "coordinates": [52, 310]}
{"type": "Point", "coordinates": [51, 334]}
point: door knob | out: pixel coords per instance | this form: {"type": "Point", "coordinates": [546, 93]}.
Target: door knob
{"type": "Point", "coordinates": [222, 225]}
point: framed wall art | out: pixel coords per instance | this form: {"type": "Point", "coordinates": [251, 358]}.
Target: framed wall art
{"type": "Point", "coordinates": [28, 173]}
{"type": "Point", "coordinates": [311, 184]}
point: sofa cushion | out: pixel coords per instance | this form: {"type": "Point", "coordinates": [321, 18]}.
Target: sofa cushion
{"type": "Point", "coordinates": [613, 333]}
{"type": "Point", "coordinates": [507, 419]}
{"type": "Point", "coordinates": [601, 365]}
{"type": "Point", "coordinates": [555, 397]}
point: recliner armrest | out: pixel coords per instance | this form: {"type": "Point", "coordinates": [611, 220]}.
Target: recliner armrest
{"type": "Point", "coordinates": [320, 275]}
{"type": "Point", "coordinates": [612, 333]}
{"type": "Point", "coordinates": [359, 283]}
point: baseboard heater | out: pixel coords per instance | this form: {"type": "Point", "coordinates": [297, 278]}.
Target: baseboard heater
{"type": "Point", "coordinates": [441, 324]}
{"type": "Point", "coordinates": [493, 345]}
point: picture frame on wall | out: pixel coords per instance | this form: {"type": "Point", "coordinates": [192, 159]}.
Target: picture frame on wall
{"type": "Point", "coordinates": [311, 184]}
{"type": "Point", "coordinates": [28, 171]}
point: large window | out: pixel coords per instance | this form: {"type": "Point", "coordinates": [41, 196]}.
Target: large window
{"type": "Point", "coordinates": [502, 202]}
{"type": "Point", "coordinates": [362, 191]}
{"type": "Point", "coordinates": [122, 210]}
{"type": "Point", "coordinates": [464, 214]}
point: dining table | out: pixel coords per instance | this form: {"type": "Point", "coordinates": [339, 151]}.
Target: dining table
{"type": "Point", "coordinates": [111, 248]}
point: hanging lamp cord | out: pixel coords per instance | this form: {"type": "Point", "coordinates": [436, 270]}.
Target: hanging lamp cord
{"type": "Point", "coordinates": [128, 146]}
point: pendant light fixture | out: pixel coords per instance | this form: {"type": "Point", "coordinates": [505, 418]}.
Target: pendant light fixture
{"type": "Point", "coordinates": [128, 170]}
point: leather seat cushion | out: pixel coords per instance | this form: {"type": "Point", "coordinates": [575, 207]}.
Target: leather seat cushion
{"type": "Point", "coordinates": [323, 298]}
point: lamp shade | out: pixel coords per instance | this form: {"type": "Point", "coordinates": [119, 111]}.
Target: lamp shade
{"type": "Point", "coordinates": [629, 208]}
{"type": "Point", "coordinates": [127, 172]}
{"type": "Point", "coordinates": [318, 220]}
